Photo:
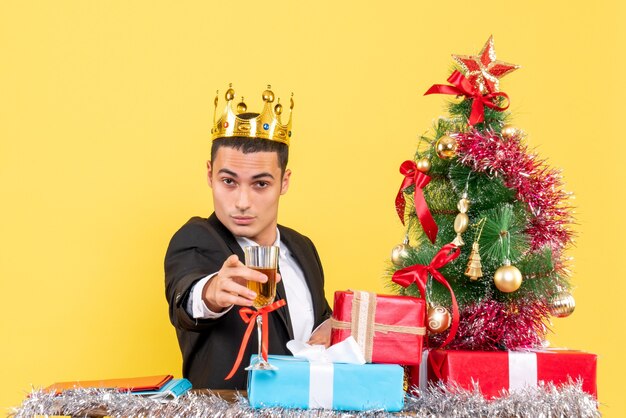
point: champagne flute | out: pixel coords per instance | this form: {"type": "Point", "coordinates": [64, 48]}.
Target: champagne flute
{"type": "Point", "coordinates": [265, 260]}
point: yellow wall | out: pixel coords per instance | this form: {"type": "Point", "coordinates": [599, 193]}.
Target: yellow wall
{"type": "Point", "coordinates": [105, 111]}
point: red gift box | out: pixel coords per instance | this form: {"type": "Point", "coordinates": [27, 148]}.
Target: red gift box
{"type": "Point", "coordinates": [389, 329]}
{"type": "Point", "coordinates": [495, 371]}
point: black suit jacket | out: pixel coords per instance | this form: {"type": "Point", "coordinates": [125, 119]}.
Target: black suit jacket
{"type": "Point", "coordinates": [209, 346]}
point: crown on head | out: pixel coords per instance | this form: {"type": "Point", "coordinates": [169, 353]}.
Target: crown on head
{"type": "Point", "coordinates": [265, 125]}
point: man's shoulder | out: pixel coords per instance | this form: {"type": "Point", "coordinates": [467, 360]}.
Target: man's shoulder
{"type": "Point", "coordinates": [196, 227]}
{"type": "Point", "coordinates": [195, 223]}
{"type": "Point", "coordinates": [291, 235]}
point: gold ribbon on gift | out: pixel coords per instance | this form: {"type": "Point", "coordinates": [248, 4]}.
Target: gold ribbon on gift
{"type": "Point", "coordinates": [362, 326]}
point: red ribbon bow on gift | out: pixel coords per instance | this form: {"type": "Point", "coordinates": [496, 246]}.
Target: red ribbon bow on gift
{"type": "Point", "coordinates": [249, 317]}
{"type": "Point", "coordinates": [414, 177]}
{"type": "Point", "coordinates": [418, 274]}
{"type": "Point", "coordinates": [462, 87]}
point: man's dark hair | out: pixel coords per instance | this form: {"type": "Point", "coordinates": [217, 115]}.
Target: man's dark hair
{"type": "Point", "coordinates": [250, 145]}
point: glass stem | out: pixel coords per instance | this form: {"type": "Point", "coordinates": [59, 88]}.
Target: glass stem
{"type": "Point", "coordinates": [259, 328]}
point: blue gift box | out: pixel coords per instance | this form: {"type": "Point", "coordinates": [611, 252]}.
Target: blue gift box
{"type": "Point", "coordinates": [346, 387]}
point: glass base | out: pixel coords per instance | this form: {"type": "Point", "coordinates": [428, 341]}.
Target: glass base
{"type": "Point", "coordinates": [261, 365]}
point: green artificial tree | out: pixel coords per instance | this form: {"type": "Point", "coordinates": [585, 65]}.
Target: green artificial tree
{"type": "Point", "coordinates": [501, 207]}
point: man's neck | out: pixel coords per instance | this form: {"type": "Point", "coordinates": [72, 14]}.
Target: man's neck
{"type": "Point", "coordinates": [249, 241]}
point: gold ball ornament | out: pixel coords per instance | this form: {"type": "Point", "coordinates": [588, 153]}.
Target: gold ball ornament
{"type": "Point", "coordinates": [268, 95]}
{"type": "Point", "coordinates": [438, 320]}
{"type": "Point", "coordinates": [241, 106]}
{"type": "Point", "coordinates": [423, 165]}
{"type": "Point", "coordinates": [509, 132]}
{"type": "Point", "coordinates": [446, 147]}
{"type": "Point", "coordinates": [399, 253]}
{"type": "Point", "coordinates": [562, 304]}
{"type": "Point", "coordinates": [278, 109]}
{"type": "Point", "coordinates": [508, 278]}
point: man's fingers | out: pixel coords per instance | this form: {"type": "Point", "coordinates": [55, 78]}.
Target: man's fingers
{"type": "Point", "coordinates": [241, 274]}
{"type": "Point", "coordinates": [229, 299]}
{"type": "Point", "coordinates": [232, 288]}
{"type": "Point", "coordinates": [232, 261]}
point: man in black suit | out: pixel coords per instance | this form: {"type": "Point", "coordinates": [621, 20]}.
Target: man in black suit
{"type": "Point", "coordinates": [204, 275]}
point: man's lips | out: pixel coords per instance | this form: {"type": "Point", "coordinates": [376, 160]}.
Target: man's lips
{"type": "Point", "coordinates": [243, 220]}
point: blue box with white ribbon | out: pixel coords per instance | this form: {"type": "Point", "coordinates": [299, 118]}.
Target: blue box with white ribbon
{"type": "Point", "coordinates": [311, 385]}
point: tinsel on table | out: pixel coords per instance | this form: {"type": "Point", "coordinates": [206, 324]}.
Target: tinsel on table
{"type": "Point", "coordinates": [436, 401]}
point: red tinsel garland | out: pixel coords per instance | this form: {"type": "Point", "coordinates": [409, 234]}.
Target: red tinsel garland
{"type": "Point", "coordinates": [492, 325]}
{"type": "Point", "coordinates": [537, 185]}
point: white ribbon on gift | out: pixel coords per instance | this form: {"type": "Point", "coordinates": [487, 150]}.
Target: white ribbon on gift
{"type": "Point", "coordinates": [522, 370]}
{"type": "Point", "coordinates": [423, 371]}
{"type": "Point", "coordinates": [321, 361]}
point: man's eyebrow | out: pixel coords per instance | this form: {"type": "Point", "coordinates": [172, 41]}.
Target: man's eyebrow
{"type": "Point", "coordinates": [229, 172]}
{"type": "Point", "coordinates": [262, 175]}
{"type": "Point", "coordinates": [255, 177]}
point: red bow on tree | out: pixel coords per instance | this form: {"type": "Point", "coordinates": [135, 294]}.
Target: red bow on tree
{"type": "Point", "coordinates": [249, 317]}
{"type": "Point", "coordinates": [462, 87]}
{"type": "Point", "coordinates": [418, 274]}
{"type": "Point", "coordinates": [414, 177]}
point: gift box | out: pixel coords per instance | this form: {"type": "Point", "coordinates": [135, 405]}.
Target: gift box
{"type": "Point", "coordinates": [389, 329]}
{"type": "Point", "coordinates": [309, 385]}
{"type": "Point", "coordinates": [495, 371]}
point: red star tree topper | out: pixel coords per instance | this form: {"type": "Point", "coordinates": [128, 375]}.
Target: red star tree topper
{"type": "Point", "coordinates": [483, 70]}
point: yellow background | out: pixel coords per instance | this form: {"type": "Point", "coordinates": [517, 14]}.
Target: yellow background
{"type": "Point", "coordinates": [105, 112]}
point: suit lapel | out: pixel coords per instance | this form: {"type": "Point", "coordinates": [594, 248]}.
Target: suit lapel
{"type": "Point", "coordinates": [233, 245]}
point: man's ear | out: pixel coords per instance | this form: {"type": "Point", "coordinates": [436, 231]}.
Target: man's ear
{"type": "Point", "coordinates": [285, 182]}
{"type": "Point", "coordinates": [209, 174]}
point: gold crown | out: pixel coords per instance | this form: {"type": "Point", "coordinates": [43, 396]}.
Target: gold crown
{"type": "Point", "coordinates": [265, 125]}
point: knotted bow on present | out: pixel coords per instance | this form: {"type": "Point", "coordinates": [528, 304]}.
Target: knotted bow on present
{"type": "Point", "coordinates": [462, 87]}
{"type": "Point", "coordinates": [321, 369]}
{"type": "Point", "coordinates": [414, 177]}
{"type": "Point", "coordinates": [249, 317]}
{"type": "Point", "coordinates": [418, 274]}
{"type": "Point", "coordinates": [347, 351]}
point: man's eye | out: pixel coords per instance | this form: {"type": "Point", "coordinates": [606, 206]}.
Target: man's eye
{"type": "Point", "coordinates": [228, 181]}
{"type": "Point", "coordinates": [262, 184]}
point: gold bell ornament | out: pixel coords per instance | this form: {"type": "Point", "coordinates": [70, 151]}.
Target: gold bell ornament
{"type": "Point", "coordinates": [562, 304]}
{"type": "Point", "coordinates": [474, 268]}
{"type": "Point", "coordinates": [400, 252]}
{"type": "Point", "coordinates": [438, 319]}
{"type": "Point", "coordinates": [446, 147]}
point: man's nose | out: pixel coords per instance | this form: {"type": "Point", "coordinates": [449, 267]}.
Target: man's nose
{"type": "Point", "coordinates": [243, 199]}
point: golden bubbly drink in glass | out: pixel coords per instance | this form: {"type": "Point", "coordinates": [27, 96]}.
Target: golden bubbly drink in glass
{"type": "Point", "coordinates": [266, 292]}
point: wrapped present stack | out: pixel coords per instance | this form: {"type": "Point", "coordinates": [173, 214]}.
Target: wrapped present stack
{"type": "Point", "coordinates": [372, 337]}
{"type": "Point", "coordinates": [487, 227]}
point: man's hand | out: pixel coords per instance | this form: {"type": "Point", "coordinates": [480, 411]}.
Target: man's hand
{"type": "Point", "coordinates": [228, 286]}
{"type": "Point", "coordinates": [321, 335]}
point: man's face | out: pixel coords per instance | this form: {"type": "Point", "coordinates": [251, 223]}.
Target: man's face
{"type": "Point", "coordinates": [246, 189]}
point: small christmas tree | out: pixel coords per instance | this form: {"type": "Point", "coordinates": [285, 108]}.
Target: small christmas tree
{"type": "Point", "coordinates": [486, 216]}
